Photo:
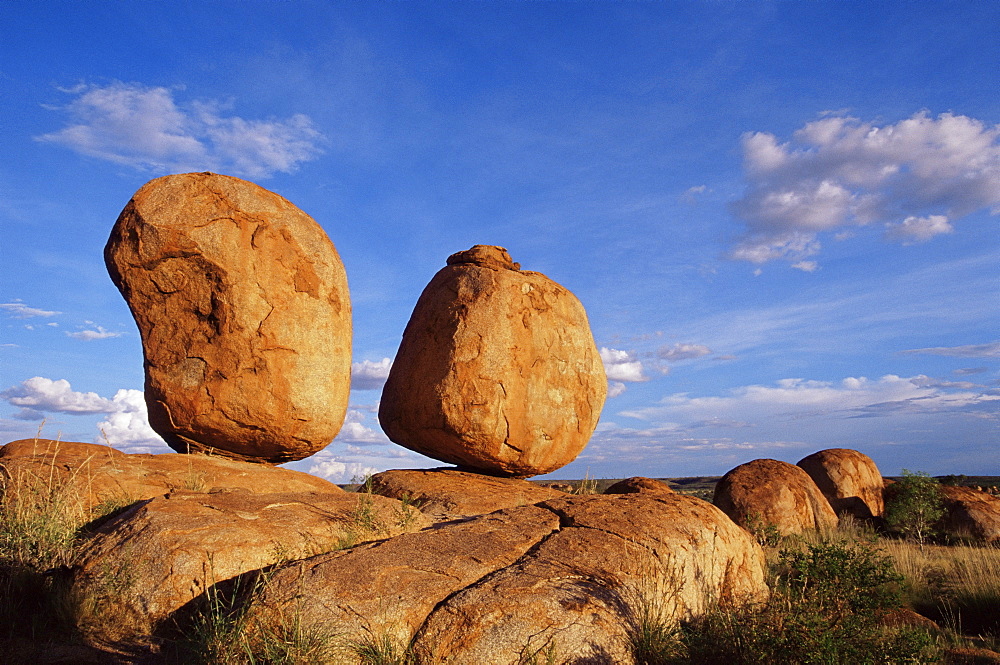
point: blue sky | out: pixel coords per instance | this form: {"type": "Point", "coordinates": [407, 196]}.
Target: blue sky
{"type": "Point", "coordinates": [782, 217]}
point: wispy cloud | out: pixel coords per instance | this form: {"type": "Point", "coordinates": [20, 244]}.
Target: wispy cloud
{"type": "Point", "coordinates": [682, 351]}
{"type": "Point", "coordinates": [914, 177]}
{"type": "Point", "coordinates": [91, 335]}
{"type": "Point", "coordinates": [988, 350]}
{"type": "Point", "coordinates": [19, 310]}
{"type": "Point", "coordinates": [145, 128]}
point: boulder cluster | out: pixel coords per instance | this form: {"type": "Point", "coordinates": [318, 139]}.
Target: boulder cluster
{"type": "Point", "coordinates": [244, 313]}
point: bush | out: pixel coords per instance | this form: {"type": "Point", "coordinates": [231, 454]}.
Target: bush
{"type": "Point", "coordinates": [914, 505]}
{"type": "Point", "coordinates": [826, 607]}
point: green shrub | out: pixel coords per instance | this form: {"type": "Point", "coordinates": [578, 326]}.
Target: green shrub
{"type": "Point", "coordinates": [914, 505]}
{"type": "Point", "coordinates": [826, 608]}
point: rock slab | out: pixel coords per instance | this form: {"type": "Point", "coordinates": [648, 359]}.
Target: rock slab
{"type": "Point", "coordinates": [88, 475]}
{"type": "Point", "coordinates": [849, 479]}
{"type": "Point", "coordinates": [143, 565]}
{"type": "Point", "coordinates": [242, 304]}
{"type": "Point", "coordinates": [497, 370]}
{"type": "Point", "coordinates": [444, 494]}
{"type": "Point", "coordinates": [767, 492]}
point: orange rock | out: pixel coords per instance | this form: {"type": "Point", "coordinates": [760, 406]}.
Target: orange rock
{"type": "Point", "coordinates": [146, 563]}
{"type": "Point", "coordinates": [767, 492]}
{"type": "Point", "coordinates": [970, 513]}
{"type": "Point", "coordinates": [242, 304]}
{"type": "Point", "coordinates": [450, 493]}
{"type": "Point", "coordinates": [86, 474]}
{"type": "Point", "coordinates": [849, 480]}
{"type": "Point", "coordinates": [639, 484]}
{"type": "Point", "coordinates": [575, 571]}
{"type": "Point", "coordinates": [497, 370]}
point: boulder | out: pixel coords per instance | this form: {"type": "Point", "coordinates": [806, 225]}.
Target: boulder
{"type": "Point", "coordinates": [242, 305]}
{"type": "Point", "coordinates": [849, 480]}
{"type": "Point", "coordinates": [87, 475]}
{"type": "Point", "coordinates": [497, 370]}
{"type": "Point", "coordinates": [577, 575]}
{"type": "Point", "coordinates": [970, 513]}
{"type": "Point", "coordinates": [639, 484]}
{"type": "Point", "coordinates": [769, 493]}
{"type": "Point", "coordinates": [141, 566]}
{"type": "Point", "coordinates": [449, 493]}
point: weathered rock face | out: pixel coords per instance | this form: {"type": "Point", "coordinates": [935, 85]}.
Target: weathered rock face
{"type": "Point", "coordinates": [639, 484]}
{"type": "Point", "coordinates": [970, 513]}
{"type": "Point", "coordinates": [576, 572]}
{"type": "Point", "coordinates": [772, 493]}
{"type": "Point", "coordinates": [151, 560]}
{"type": "Point", "coordinates": [497, 370]}
{"type": "Point", "coordinates": [89, 474]}
{"type": "Point", "coordinates": [242, 304]}
{"type": "Point", "coordinates": [849, 480]}
{"type": "Point", "coordinates": [449, 493]}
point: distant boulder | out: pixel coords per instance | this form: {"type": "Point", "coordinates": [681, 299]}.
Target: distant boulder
{"type": "Point", "coordinates": [241, 301]}
{"type": "Point", "coordinates": [970, 513]}
{"type": "Point", "coordinates": [497, 370]}
{"type": "Point", "coordinates": [849, 480]}
{"type": "Point", "coordinates": [639, 484]}
{"type": "Point", "coordinates": [768, 492]}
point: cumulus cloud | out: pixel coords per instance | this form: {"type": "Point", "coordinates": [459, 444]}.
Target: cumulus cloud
{"type": "Point", "coordinates": [369, 374]}
{"type": "Point", "coordinates": [125, 426]}
{"type": "Point", "coordinates": [915, 177]}
{"type": "Point", "coordinates": [683, 352]}
{"type": "Point", "coordinates": [146, 128]}
{"type": "Point", "coordinates": [336, 470]}
{"type": "Point", "coordinates": [621, 366]}
{"type": "Point", "coordinates": [41, 394]}
{"type": "Point", "coordinates": [19, 310]}
{"type": "Point", "coordinates": [356, 429]}
{"type": "Point", "coordinates": [91, 335]}
{"type": "Point", "coordinates": [988, 350]}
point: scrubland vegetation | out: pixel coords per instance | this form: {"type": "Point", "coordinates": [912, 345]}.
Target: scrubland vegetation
{"type": "Point", "coordinates": [851, 595]}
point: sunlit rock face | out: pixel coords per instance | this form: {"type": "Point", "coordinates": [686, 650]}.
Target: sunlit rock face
{"type": "Point", "coordinates": [497, 370]}
{"type": "Point", "coordinates": [850, 481]}
{"type": "Point", "coordinates": [768, 492]}
{"type": "Point", "coordinates": [242, 304]}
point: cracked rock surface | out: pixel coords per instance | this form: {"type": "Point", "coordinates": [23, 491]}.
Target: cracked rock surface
{"type": "Point", "coordinates": [576, 573]}
{"type": "Point", "coordinates": [242, 304]}
{"type": "Point", "coordinates": [497, 370]}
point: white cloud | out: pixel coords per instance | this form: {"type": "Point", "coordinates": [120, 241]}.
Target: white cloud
{"type": "Point", "coordinates": [19, 310]}
{"type": "Point", "coordinates": [621, 366]}
{"type": "Point", "coordinates": [127, 428]}
{"type": "Point", "coordinates": [615, 388]}
{"type": "Point", "coordinates": [806, 266]}
{"type": "Point", "coordinates": [988, 350]}
{"type": "Point", "coordinates": [91, 335]}
{"type": "Point", "coordinates": [370, 375]}
{"type": "Point", "coordinates": [355, 430]}
{"type": "Point", "coordinates": [41, 394]}
{"type": "Point", "coordinates": [145, 128]}
{"type": "Point", "coordinates": [838, 172]}
{"type": "Point", "coordinates": [683, 351]}
{"type": "Point", "coordinates": [337, 470]}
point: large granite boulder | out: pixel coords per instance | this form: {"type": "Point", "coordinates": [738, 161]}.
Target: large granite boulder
{"type": "Point", "coordinates": [141, 566]}
{"type": "Point", "coordinates": [497, 370]}
{"type": "Point", "coordinates": [970, 513]}
{"type": "Point", "coordinates": [242, 305]}
{"type": "Point", "coordinates": [770, 493]}
{"type": "Point", "coordinates": [87, 475]}
{"type": "Point", "coordinates": [849, 480]}
{"type": "Point", "coordinates": [579, 573]}
{"type": "Point", "coordinates": [444, 494]}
